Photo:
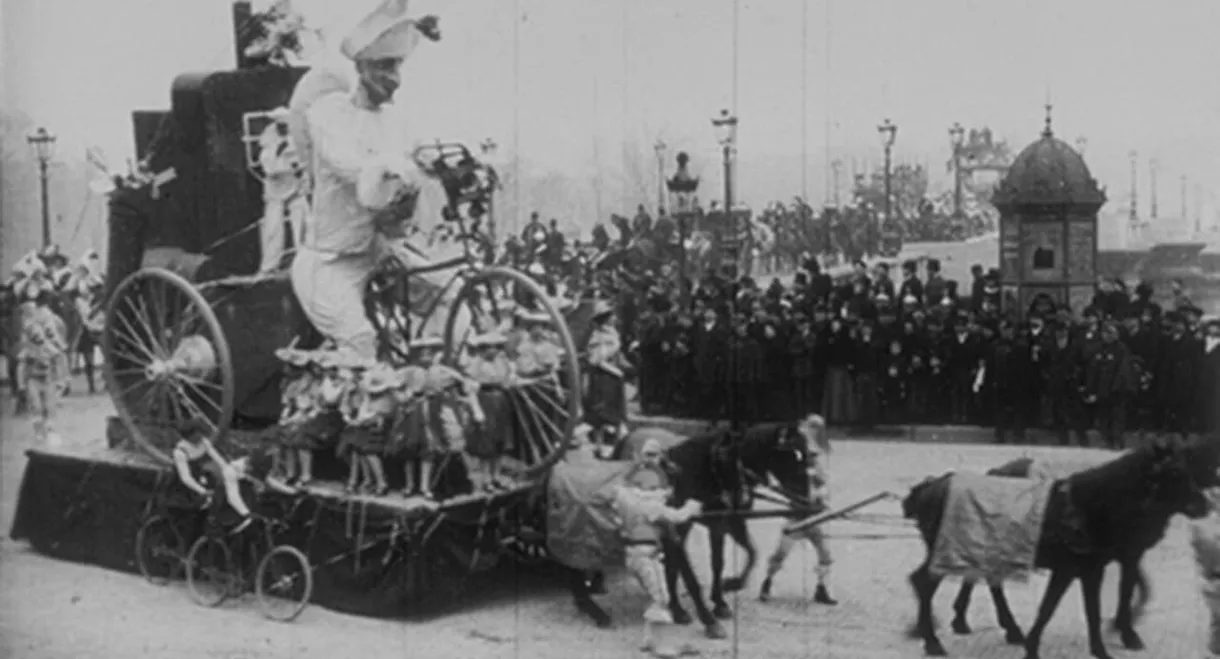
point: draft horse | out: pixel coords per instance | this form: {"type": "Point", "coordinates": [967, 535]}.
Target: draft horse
{"type": "Point", "coordinates": [1132, 582]}
{"type": "Point", "coordinates": [1092, 517]}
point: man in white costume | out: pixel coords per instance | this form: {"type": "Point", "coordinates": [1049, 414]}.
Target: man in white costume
{"type": "Point", "coordinates": [362, 179]}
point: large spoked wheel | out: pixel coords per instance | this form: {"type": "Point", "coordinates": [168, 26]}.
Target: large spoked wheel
{"type": "Point", "coordinates": [543, 412]}
{"type": "Point", "coordinates": [160, 550]}
{"type": "Point", "coordinates": [209, 572]}
{"type": "Point", "coordinates": [284, 583]}
{"type": "Point", "coordinates": [167, 358]}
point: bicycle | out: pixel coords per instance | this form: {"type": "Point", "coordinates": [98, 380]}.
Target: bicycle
{"type": "Point", "coordinates": [160, 544]}
{"type": "Point", "coordinates": [282, 577]}
{"type": "Point", "coordinates": [480, 296]}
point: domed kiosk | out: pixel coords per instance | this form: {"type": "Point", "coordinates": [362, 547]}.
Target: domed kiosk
{"type": "Point", "coordinates": [1048, 205]}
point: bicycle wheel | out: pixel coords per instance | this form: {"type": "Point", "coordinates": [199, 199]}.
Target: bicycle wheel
{"type": "Point", "coordinates": [283, 583]}
{"type": "Point", "coordinates": [544, 412]}
{"type": "Point", "coordinates": [209, 571]}
{"type": "Point", "coordinates": [159, 550]}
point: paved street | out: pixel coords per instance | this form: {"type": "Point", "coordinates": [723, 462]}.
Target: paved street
{"type": "Point", "coordinates": [53, 609]}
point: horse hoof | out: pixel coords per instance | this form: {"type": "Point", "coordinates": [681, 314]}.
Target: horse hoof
{"type": "Point", "coordinates": [734, 584]}
{"type": "Point", "coordinates": [1014, 637]}
{"type": "Point", "coordinates": [961, 627]}
{"type": "Point", "coordinates": [933, 648]}
{"type": "Point", "coordinates": [715, 631]}
{"type": "Point", "coordinates": [1132, 640]}
{"type": "Point", "coordinates": [681, 617]}
{"type": "Point", "coordinates": [722, 611]}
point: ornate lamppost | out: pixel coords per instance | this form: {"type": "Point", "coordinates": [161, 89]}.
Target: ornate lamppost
{"type": "Point", "coordinates": [726, 133]}
{"type": "Point", "coordinates": [956, 137]}
{"type": "Point", "coordinates": [660, 147]}
{"type": "Point", "coordinates": [836, 168]}
{"type": "Point", "coordinates": [43, 144]}
{"type": "Point", "coordinates": [1133, 218]}
{"type": "Point", "coordinates": [888, 132]}
{"type": "Point", "coordinates": [1152, 166]}
{"type": "Point", "coordinates": [683, 187]}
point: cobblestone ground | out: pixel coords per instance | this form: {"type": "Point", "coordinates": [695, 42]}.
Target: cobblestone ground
{"type": "Point", "coordinates": [54, 609]}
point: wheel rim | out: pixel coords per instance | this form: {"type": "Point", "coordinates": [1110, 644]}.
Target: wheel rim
{"type": "Point", "coordinates": [167, 359]}
{"type": "Point", "coordinates": [159, 551]}
{"type": "Point", "coordinates": [545, 412]}
{"type": "Point", "coordinates": [209, 572]}
{"type": "Point", "coordinates": [284, 583]}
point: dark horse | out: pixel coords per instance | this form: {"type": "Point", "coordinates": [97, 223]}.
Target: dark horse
{"type": "Point", "coordinates": [1132, 580]}
{"type": "Point", "coordinates": [1095, 516]}
{"type": "Point", "coordinates": [719, 469]}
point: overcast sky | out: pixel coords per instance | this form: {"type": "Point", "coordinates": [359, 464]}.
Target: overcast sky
{"type": "Point", "coordinates": [1124, 73]}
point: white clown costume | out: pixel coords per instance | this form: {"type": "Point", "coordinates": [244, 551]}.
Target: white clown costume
{"type": "Point", "coordinates": [359, 165]}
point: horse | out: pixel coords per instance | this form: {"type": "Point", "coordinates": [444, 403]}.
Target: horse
{"type": "Point", "coordinates": [1133, 582]}
{"type": "Point", "coordinates": [720, 469]}
{"type": "Point", "coordinates": [1109, 512]}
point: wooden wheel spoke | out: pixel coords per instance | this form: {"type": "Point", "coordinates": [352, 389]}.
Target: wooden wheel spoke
{"type": "Point", "coordinates": [545, 387]}
{"type": "Point", "coordinates": [519, 416]}
{"type": "Point", "coordinates": [189, 402]}
{"type": "Point", "coordinates": [130, 389]}
{"type": "Point", "coordinates": [198, 382]}
{"type": "Point", "coordinates": [133, 358]}
{"type": "Point", "coordinates": [148, 322]}
{"type": "Point", "coordinates": [542, 416]}
{"type": "Point", "coordinates": [134, 334]}
{"type": "Point", "coordinates": [184, 322]}
{"type": "Point", "coordinates": [153, 346]}
{"type": "Point", "coordinates": [536, 421]}
{"type": "Point", "coordinates": [184, 384]}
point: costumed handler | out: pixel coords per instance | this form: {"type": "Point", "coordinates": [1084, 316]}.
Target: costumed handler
{"type": "Point", "coordinates": [813, 428]}
{"type": "Point", "coordinates": [1205, 540]}
{"type": "Point", "coordinates": [641, 503]}
{"type": "Point", "coordinates": [364, 184]}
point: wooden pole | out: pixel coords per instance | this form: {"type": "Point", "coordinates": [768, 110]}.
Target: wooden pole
{"type": "Point", "coordinates": [814, 520]}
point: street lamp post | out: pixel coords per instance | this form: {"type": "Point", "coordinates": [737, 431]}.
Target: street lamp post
{"type": "Point", "coordinates": [956, 137]}
{"type": "Point", "coordinates": [1152, 165]}
{"type": "Point", "coordinates": [888, 132]}
{"type": "Point", "coordinates": [683, 187]}
{"type": "Point", "coordinates": [660, 147]}
{"type": "Point", "coordinates": [1134, 214]}
{"type": "Point", "coordinates": [726, 133]}
{"type": "Point", "coordinates": [836, 169]}
{"type": "Point", "coordinates": [43, 144]}
{"type": "Point", "coordinates": [488, 147]}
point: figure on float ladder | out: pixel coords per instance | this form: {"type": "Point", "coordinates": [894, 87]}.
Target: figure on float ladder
{"type": "Point", "coordinates": [363, 184]}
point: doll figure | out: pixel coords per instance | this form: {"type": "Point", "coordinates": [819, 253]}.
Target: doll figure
{"type": "Point", "coordinates": [490, 368]}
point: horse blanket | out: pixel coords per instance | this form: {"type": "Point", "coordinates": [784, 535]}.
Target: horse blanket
{"type": "Point", "coordinates": [991, 527]}
{"type": "Point", "coordinates": [1058, 469]}
{"type": "Point", "coordinates": [582, 528]}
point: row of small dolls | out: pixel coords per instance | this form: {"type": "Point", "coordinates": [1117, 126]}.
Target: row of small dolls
{"type": "Point", "coordinates": [425, 412]}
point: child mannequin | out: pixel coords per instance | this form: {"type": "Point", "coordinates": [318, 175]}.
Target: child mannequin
{"type": "Point", "coordinates": [490, 368]}
{"type": "Point", "coordinates": [296, 407]}
{"type": "Point", "coordinates": [368, 433]}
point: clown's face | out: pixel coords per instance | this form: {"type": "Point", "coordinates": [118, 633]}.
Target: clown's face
{"type": "Point", "coordinates": [380, 79]}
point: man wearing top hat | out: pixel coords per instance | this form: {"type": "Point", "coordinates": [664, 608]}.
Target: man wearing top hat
{"type": "Point", "coordinates": [363, 180]}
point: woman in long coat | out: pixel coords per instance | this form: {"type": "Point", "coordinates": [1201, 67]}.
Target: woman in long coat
{"type": "Point", "coordinates": [839, 397]}
{"type": "Point", "coordinates": [606, 398]}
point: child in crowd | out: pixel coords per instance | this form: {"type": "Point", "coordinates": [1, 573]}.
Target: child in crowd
{"type": "Point", "coordinates": [39, 373]}
{"type": "Point", "coordinates": [490, 368]}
